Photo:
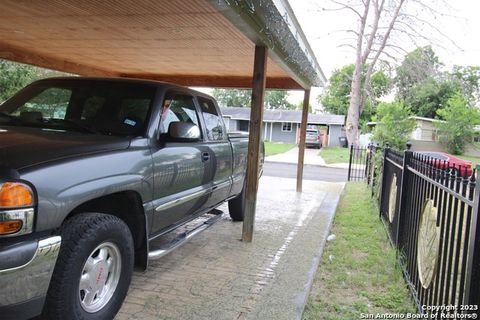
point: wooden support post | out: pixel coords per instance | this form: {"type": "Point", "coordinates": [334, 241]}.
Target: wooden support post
{"type": "Point", "coordinates": [254, 141]}
{"type": "Point", "coordinates": [301, 145]}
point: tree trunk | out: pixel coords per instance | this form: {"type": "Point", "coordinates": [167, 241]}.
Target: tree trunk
{"type": "Point", "coordinates": [353, 115]}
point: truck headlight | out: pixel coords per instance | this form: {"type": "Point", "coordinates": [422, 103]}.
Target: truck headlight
{"type": "Point", "coordinates": [15, 194]}
{"type": "Point", "coordinates": [16, 209]}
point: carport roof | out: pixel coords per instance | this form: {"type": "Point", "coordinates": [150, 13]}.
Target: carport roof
{"type": "Point", "coordinates": [189, 42]}
{"type": "Point", "coordinates": [239, 113]}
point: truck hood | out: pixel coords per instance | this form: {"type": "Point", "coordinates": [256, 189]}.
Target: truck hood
{"type": "Point", "coordinates": [22, 147]}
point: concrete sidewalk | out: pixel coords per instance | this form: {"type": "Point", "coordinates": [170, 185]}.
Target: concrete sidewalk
{"type": "Point", "coordinates": [312, 157]}
{"type": "Point", "coordinates": [217, 276]}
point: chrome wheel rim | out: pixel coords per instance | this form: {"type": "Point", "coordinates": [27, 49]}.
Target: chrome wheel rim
{"type": "Point", "coordinates": [100, 276]}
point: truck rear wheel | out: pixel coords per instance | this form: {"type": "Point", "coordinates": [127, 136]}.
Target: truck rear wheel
{"type": "Point", "coordinates": [236, 206]}
{"type": "Point", "coordinates": [93, 270]}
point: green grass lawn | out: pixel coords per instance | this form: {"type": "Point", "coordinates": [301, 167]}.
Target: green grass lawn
{"type": "Point", "coordinates": [276, 148]}
{"type": "Point", "coordinates": [335, 154]}
{"type": "Point", "coordinates": [359, 271]}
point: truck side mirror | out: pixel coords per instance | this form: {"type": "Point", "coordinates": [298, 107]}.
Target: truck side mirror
{"type": "Point", "coordinates": [184, 131]}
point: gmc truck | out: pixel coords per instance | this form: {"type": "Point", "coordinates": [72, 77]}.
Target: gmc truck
{"type": "Point", "coordinates": [92, 171]}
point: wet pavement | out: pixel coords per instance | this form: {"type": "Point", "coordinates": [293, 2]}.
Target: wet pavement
{"type": "Point", "coordinates": [217, 276]}
{"type": "Point", "coordinates": [310, 172]}
{"type": "Point", "coordinates": [311, 157]}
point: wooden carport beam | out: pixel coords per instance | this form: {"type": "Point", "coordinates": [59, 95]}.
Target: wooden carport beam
{"type": "Point", "coordinates": [301, 146]}
{"type": "Point", "coordinates": [254, 141]}
{"type": "Point", "coordinates": [218, 81]}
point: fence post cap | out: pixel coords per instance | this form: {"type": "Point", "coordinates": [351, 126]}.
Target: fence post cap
{"type": "Point", "coordinates": [387, 145]}
{"type": "Point", "coordinates": [409, 145]}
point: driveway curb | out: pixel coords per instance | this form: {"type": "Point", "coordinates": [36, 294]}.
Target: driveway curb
{"type": "Point", "coordinates": [328, 206]}
{"type": "Point", "coordinates": [309, 164]}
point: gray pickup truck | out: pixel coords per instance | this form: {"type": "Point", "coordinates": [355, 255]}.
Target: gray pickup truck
{"type": "Point", "coordinates": [92, 171]}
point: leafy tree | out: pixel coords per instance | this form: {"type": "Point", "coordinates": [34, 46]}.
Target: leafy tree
{"type": "Point", "coordinates": [278, 99]}
{"type": "Point", "coordinates": [336, 98]}
{"type": "Point", "coordinates": [394, 125]}
{"type": "Point", "coordinates": [14, 76]}
{"type": "Point", "coordinates": [299, 106]}
{"type": "Point", "coordinates": [458, 128]}
{"type": "Point", "coordinates": [469, 79]}
{"type": "Point", "coordinates": [424, 88]}
{"type": "Point", "coordinates": [426, 97]}
{"type": "Point", "coordinates": [233, 97]}
{"type": "Point", "coordinates": [420, 65]}
{"type": "Point", "coordinates": [274, 99]}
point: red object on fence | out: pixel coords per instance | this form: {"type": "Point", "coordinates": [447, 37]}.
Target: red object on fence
{"type": "Point", "coordinates": [448, 161]}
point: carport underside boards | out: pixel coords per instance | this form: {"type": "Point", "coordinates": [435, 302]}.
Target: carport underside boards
{"type": "Point", "coordinates": [211, 43]}
{"type": "Point", "coordinates": [188, 42]}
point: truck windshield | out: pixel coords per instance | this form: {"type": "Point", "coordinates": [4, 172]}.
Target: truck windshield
{"type": "Point", "coordinates": [90, 106]}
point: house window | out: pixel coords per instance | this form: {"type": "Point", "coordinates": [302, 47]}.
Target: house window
{"type": "Point", "coordinates": [286, 126]}
{"type": "Point", "coordinates": [243, 125]}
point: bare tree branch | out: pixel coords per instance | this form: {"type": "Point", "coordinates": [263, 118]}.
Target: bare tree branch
{"type": "Point", "coordinates": [346, 45]}
{"type": "Point", "coordinates": [368, 74]}
{"type": "Point", "coordinates": [379, 22]}
{"type": "Point", "coordinates": [343, 7]}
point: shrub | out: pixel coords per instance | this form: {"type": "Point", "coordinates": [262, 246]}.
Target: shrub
{"type": "Point", "coordinates": [394, 125]}
{"type": "Point", "coordinates": [458, 128]}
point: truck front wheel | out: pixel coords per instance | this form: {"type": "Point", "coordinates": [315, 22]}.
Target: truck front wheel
{"type": "Point", "coordinates": [93, 270]}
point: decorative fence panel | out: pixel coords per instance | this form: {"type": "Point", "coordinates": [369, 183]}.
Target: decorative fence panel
{"type": "Point", "coordinates": [391, 185]}
{"type": "Point", "coordinates": [430, 209]}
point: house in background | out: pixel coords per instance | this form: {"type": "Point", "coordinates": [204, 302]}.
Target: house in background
{"type": "Point", "coordinates": [425, 129]}
{"type": "Point", "coordinates": [284, 125]}
{"type": "Point", "coordinates": [425, 137]}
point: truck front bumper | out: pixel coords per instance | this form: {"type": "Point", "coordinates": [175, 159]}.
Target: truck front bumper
{"type": "Point", "coordinates": [25, 272]}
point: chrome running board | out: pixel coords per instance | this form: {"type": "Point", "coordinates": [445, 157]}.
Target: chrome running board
{"type": "Point", "coordinates": [184, 237]}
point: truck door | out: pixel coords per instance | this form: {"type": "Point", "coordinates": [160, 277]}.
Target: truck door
{"type": "Point", "coordinates": [182, 169]}
{"type": "Point", "coordinates": [219, 149]}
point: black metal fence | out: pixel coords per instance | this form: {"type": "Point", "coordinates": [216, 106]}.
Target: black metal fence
{"type": "Point", "coordinates": [430, 210]}
{"type": "Point", "coordinates": [360, 164]}
{"type": "Point", "coordinates": [392, 179]}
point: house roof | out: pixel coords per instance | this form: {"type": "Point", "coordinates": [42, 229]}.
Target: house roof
{"type": "Point", "coordinates": [188, 42]}
{"type": "Point", "coordinates": [239, 113]}
{"type": "Point", "coordinates": [416, 118]}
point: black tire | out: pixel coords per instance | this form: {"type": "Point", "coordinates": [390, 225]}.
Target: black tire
{"type": "Point", "coordinates": [81, 236]}
{"type": "Point", "coordinates": [236, 206]}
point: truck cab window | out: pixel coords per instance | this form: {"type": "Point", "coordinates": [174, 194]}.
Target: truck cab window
{"type": "Point", "coordinates": [87, 106]}
{"type": "Point", "coordinates": [213, 122]}
{"type": "Point", "coordinates": [51, 103]}
{"type": "Point", "coordinates": [177, 108]}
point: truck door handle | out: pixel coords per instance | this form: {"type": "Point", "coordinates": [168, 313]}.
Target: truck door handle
{"type": "Point", "coordinates": [205, 156]}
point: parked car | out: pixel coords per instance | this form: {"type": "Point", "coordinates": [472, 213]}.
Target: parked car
{"type": "Point", "coordinates": [313, 139]}
{"type": "Point", "coordinates": [91, 171]}
{"type": "Point", "coordinates": [448, 162]}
